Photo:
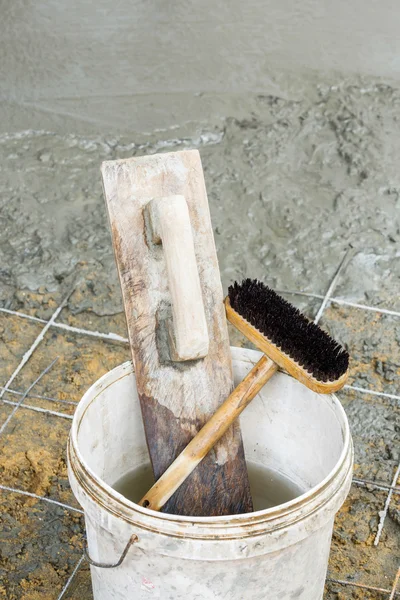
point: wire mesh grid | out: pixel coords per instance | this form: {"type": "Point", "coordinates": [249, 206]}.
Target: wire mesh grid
{"type": "Point", "coordinates": [390, 489]}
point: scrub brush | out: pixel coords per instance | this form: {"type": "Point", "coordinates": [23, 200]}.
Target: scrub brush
{"type": "Point", "coordinates": [290, 341]}
{"type": "Point", "coordinates": [286, 336]}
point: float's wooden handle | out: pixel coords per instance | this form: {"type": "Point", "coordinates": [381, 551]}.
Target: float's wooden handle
{"type": "Point", "coordinates": [170, 223]}
{"type": "Point", "coordinates": [212, 431]}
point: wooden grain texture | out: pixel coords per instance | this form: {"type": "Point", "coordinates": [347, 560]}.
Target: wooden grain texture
{"type": "Point", "coordinates": [177, 398]}
{"type": "Point", "coordinates": [207, 437]}
{"type": "Point", "coordinates": [282, 360]}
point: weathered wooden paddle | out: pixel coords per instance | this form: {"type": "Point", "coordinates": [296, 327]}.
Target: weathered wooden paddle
{"type": "Point", "coordinates": [167, 263]}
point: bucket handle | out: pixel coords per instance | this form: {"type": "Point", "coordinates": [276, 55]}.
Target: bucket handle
{"type": "Point", "coordinates": [132, 540]}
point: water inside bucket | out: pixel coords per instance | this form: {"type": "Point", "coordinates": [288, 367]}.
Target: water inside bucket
{"type": "Point", "coordinates": [268, 487]}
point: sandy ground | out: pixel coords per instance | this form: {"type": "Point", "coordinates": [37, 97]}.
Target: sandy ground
{"type": "Point", "coordinates": [291, 184]}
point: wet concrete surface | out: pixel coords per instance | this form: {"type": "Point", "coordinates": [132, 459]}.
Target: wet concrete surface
{"type": "Point", "coordinates": [132, 65]}
{"type": "Point", "coordinates": [290, 185]}
{"type": "Point", "coordinates": [289, 188]}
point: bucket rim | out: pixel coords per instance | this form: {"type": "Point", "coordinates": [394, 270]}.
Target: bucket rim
{"type": "Point", "coordinates": [114, 502]}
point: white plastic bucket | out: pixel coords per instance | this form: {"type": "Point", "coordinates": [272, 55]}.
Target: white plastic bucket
{"type": "Point", "coordinates": [275, 554]}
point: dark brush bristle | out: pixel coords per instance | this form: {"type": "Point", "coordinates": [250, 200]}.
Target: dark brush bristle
{"type": "Point", "coordinates": [288, 329]}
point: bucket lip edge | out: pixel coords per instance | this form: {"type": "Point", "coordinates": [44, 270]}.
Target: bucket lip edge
{"type": "Point", "coordinates": [240, 354]}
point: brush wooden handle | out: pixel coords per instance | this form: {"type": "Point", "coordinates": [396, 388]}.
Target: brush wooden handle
{"type": "Point", "coordinates": [212, 431]}
{"type": "Point", "coordinates": [170, 223]}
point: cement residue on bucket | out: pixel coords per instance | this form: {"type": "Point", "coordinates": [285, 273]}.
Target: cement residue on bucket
{"type": "Point", "coordinates": [279, 428]}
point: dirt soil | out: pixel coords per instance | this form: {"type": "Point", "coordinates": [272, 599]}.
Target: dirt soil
{"type": "Point", "coordinates": [290, 186]}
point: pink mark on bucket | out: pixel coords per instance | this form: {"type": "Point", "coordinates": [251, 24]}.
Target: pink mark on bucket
{"type": "Point", "coordinates": [147, 584]}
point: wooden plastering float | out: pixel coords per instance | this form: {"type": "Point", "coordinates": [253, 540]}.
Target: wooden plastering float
{"type": "Point", "coordinates": [167, 263]}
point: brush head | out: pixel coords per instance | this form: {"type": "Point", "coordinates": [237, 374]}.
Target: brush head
{"type": "Point", "coordinates": [289, 330]}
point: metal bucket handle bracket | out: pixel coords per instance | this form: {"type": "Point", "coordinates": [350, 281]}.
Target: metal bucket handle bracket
{"type": "Point", "coordinates": [132, 540]}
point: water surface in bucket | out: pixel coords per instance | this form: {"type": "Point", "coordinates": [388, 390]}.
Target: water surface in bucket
{"type": "Point", "coordinates": [268, 487]}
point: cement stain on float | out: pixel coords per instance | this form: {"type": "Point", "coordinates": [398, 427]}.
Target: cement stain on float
{"type": "Point", "coordinates": [269, 488]}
